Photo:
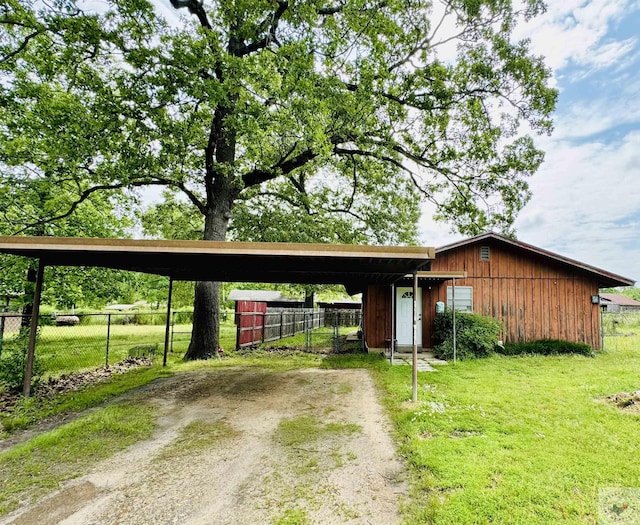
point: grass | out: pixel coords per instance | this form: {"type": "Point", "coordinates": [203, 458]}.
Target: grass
{"type": "Point", "coordinates": [195, 437]}
{"type": "Point", "coordinates": [516, 439]}
{"type": "Point", "coordinates": [31, 469]}
{"type": "Point", "coordinates": [33, 409]}
{"type": "Point", "coordinates": [303, 430]}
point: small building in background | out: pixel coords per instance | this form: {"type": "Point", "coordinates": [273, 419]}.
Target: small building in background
{"type": "Point", "coordinates": [272, 298]}
{"type": "Point", "coordinates": [617, 303]}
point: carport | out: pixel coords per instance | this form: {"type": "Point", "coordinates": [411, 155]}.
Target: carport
{"type": "Point", "coordinates": [353, 266]}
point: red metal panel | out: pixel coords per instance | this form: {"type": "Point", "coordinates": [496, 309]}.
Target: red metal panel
{"type": "Point", "coordinates": [250, 321]}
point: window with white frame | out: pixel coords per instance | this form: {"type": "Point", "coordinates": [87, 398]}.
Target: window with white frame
{"type": "Point", "coordinates": [464, 298]}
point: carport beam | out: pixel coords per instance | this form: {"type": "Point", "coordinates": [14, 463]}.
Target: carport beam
{"type": "Point", "coordinates": [33, 332]}
{"type": "Point", "coordinates": [167, 325]}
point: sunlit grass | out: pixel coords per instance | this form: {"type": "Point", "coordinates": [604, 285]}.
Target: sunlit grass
{"type": "Point", "coordinates": [40, 465]}
{"type": "Point", "coordinates": [517, 439]}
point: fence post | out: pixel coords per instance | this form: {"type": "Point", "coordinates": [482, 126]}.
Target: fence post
{"type": "Point", "coordinates": [281, 322]}
{"type": "Point", "coordinates": [264, 320]}
{"type": "Point", "coordinates": [2, 310]}
{"type": "Point", "coordinates": [239, 317]}
{"type": "Point", "coordinates": [173, 329]}
{"type": "Point", "coordinates": [106, 358]}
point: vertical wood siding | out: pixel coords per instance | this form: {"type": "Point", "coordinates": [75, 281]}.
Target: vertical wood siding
{"type": "Point", "coordinates": [376, 305]}
{"type": "Point", "coordinates": [534, 298]}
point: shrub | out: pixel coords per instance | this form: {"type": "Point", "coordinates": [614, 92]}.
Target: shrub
{"type": "Point", "coordinates": [476, 335]}
{"type": "Point", "coordinates": [546, 347]}
{"type": "Point", "coordinates": [13, 361]}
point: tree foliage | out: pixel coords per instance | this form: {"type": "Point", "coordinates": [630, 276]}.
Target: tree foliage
{"type": "Point", "coordinates": [301, 106]}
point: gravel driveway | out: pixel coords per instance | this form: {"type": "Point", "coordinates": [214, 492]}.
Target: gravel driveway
{"type": "Point", "coordinates": [245, 446]}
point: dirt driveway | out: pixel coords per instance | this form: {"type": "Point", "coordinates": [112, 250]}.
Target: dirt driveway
{"type": "Point", "coordinates": [245, 446]}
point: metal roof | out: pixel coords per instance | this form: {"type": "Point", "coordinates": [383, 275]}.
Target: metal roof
{"type": "Point", "coordinates": [605, 279]}
{"type": "Point", "coordinates": [352, 265]}
{"type": "Point", "coordinates": [265, 296]}
{"type": "Point", "coordinates": [622, 300]}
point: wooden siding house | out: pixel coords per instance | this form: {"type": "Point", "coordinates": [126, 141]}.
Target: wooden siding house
{"type": "Point", "coordinates": [536, 294]}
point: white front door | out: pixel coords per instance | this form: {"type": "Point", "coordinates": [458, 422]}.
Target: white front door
{"type": "Point", "coordinates": [404, 316]}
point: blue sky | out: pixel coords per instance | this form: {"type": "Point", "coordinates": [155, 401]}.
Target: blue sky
{"type": "Point", "coordinates": [586, 196]}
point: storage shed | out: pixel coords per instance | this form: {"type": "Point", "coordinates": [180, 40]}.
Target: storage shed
{"type": "Point", "coordinates": [615, 303]}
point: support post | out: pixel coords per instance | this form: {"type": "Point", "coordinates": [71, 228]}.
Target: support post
{"type": "Point", "coordinates": [414, 361]}
{"type": "Point", "coordinates": [168, 324]}
{"type": "Point", "coordinates": [35, 317]}
{"type": "Point", "coordinates": [453, 302]}
{"type": "Point", "coordinates": [392, 343]}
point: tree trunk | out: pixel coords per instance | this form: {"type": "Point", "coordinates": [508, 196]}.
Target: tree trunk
{"type": "Point", "coordinates": [205, 334]}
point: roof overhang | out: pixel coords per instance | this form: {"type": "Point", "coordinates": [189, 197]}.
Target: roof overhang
{"type": "Point", "coordinates": [604, 278]}
{"type": "Point", "coordinates": [352, 265]}
{"type": "Point", "coordinates": [429, 276]}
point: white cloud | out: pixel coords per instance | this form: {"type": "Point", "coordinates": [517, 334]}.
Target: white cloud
{"type": "Point", "coordinates": [597, 115]}
{"type": "Point", "coordinates": [575, 31]}
{"type": "Point", "coordinates": [586, 204]}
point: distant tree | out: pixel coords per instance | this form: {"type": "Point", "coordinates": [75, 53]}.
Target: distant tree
{"type": "Point", "coordinates": [26, 204]}
{"type": "Point", "coordinates": [311, 95]}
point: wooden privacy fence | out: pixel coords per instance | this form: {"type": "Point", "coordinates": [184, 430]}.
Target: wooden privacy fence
{"type": "Point", "coordinates": [273, 324]}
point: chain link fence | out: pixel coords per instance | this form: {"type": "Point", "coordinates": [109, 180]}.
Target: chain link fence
{"type": "Point", "coordinates": [312, 329]}
{"type": "Point", "coordinates": [69, 343]}
{"type": "Point", "coordinates": [620, 324]}
{"type": "Point", "coordinates": [75, 342]}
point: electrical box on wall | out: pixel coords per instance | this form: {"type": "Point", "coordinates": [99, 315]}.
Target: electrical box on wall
{"type": "Point", "coordinates": [439, 307]}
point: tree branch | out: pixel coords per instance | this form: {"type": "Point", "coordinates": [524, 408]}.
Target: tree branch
{"type": "Point", "coordinates": [84, 195]}
{"type": "Point", "coordinates": [23, 45]}
{"type": "Point", "coordinates": [270, 24]}
{"type": "Point", "coordinates": [195, 7]}
{"type": "Point", "coordinates": [283, 167]}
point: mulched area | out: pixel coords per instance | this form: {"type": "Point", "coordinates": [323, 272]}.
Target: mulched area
{"type": "Point", "coordinates": [54, 386]}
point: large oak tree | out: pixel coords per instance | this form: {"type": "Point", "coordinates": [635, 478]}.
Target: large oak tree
{"type": "Point", "coordinates": [316, 104]}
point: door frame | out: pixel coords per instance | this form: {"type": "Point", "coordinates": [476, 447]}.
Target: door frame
{"type": "Point", "coordinates": [396, 316]}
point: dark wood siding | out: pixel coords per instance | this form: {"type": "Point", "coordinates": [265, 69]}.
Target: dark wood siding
{"type": "Point", "coordinates": [376, 307]}
{"type": "Point", "coordinates": [534, 298]}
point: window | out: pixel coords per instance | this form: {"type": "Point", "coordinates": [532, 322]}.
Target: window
{"type": "Point", "coordinates": [485, 253]}
{"type": "Point", "coordinates": [464, 298]}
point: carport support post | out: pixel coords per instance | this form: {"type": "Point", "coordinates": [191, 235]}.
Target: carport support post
{"type": "Point", "coordinates": [393, 323]}
{"type": "Point", "coordinates": [453, 303]}
{"type": "Point", "coordinates": [414, 371]}
{"type": "Point", "coordinates": [166, 330]}
{"type": "Point", "coordinates": [33, 332]}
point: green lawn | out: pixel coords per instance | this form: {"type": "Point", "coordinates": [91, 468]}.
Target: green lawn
{"type": "Point", "coordinates": [517, 439]}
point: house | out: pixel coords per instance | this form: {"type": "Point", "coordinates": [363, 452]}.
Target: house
{"type": "Point", "coordinates": [616, 303]}
{"type": "Point", "coordinates": [536, 294]}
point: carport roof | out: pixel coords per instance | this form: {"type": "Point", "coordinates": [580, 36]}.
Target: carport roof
{"type": "Point", "coordinates": [352, 265]}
